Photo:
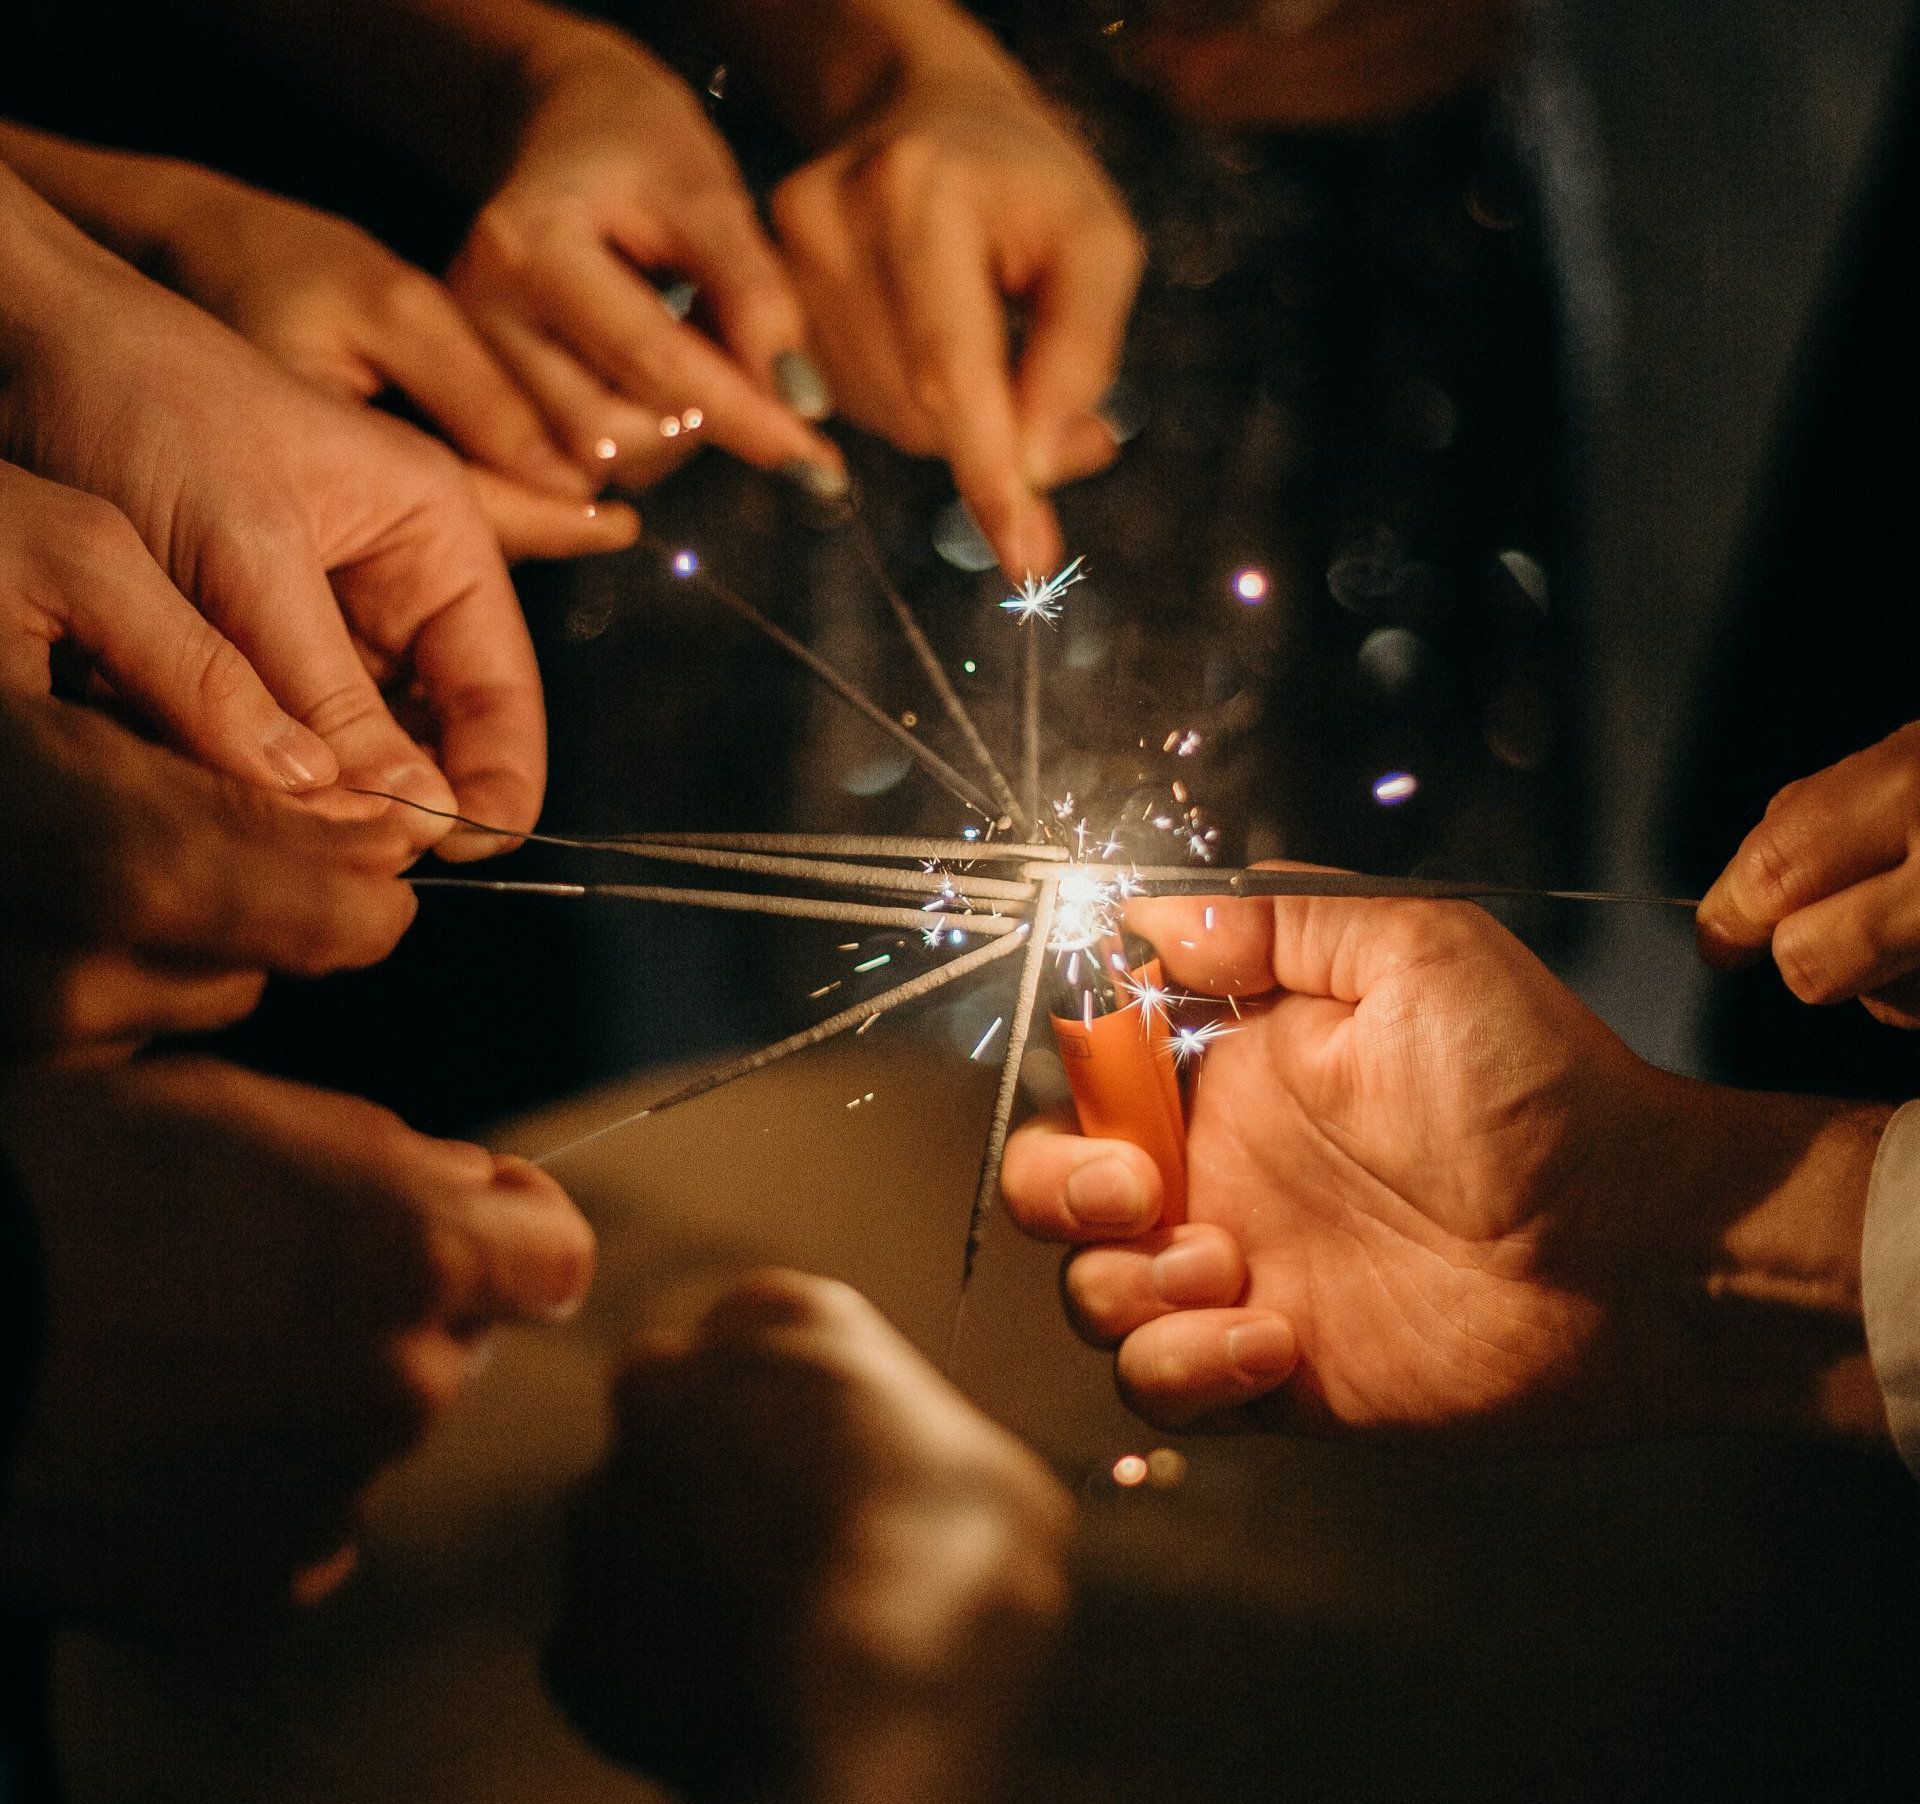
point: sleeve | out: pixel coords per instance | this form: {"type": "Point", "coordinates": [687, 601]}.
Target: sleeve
{"type": "Point", "coordinates": [1890, 1278]}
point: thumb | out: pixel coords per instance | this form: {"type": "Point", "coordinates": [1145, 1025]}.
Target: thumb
{"type": "Point", "coordinates": [188, 678]}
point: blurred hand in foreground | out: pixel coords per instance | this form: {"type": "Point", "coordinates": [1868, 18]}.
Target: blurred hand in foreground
{"type": "Point", "coordinates": [809, 1569]}
{"type": "Point", "coordinates": [256, 1296]}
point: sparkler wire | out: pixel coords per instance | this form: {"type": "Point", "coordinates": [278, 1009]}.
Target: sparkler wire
{"type": "Point", "coordinates": [1019, 1026]}
{"type": "Point", "coordinates": [1030, 723]}
{"type": "Point", "coordinates": [858, 1016]}
{"type": "Point", "coordinates": [824, 870]}
{"type": "Point", "coordinates": [796, 908]}
{"type": "Point", "coordinates": [953, 781]}
{"type": "Point", "coordinates": [957, 712]}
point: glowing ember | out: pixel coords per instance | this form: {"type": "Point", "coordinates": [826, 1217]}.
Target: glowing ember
{"type": "Point", "coordinates": [1251, 585]}
{"type": "Point", "coordinates": [1395, 787]}
{"type": "Point", "coordinates": [1130, 1470]}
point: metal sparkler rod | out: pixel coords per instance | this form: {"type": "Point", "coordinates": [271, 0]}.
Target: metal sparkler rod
{"type": "Point", "coordinates": [1030, 724]}
{"type": "Point", "coordinates": [957, 784]}
{"type": "Point", "coordinates": [845, 845]}
{"type": "Point", "coordinates": [1183, 880]}
{"type": "Point", "coordinates": [1019, 1027]}
{"type": "Point", "coordinates": [859, 1013]}
{"type": "Point", "coordinates": [935, 672]}
{"type": "Point", "coordinates": [825, 870]}
{"type": "Point", "coordinates": [797, 908]}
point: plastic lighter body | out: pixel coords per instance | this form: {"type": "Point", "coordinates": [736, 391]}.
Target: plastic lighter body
{"type": "Point", "coordinates": [1120, 1067]}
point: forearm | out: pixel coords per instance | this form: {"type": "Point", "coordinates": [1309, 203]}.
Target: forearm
{"type": "Point", "coordinates": [826, 63]}
{"type": "Point", "coordinates": [1761, 1235]}
{"type": "Point", "coordinates": [489, 62]}
{"type": "Point", "coordinates": [43, 256]}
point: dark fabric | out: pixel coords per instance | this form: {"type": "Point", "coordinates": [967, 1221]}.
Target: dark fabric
{"type": "Point", "coordinates": [26, 1760]}
{"type": "Point", "coordinates": [1821, 650]}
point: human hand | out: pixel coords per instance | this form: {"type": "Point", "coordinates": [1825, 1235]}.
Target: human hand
{"type": "Point", "coordinates": [1427, 1189]}
{"type": "Point", "coordinates": [144, 895]}
{"type": "Point", "coordinates": [335, 549]}
{"type": "Point", "coordinates": [809, 1568]}
{"type": "Point", "coordinates": [960, 193]}
{"type": "Point", "coordinates": [617, 172]}
{"type": "Point", "coordinates": [1320, 62]}
{"type": "Point", "coordinates": [256, 1296]}
{"type": "Point", "coordinates": [1829, 883]}
{"type": "Point", "coordinates": [334, 306]}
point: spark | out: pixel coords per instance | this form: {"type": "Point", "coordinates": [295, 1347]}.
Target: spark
{"type": "Point", "coordinates": [1154, 999]}
{"type": "Point", "coordinates": [826, 989]}
{"type": "Point", "coordinates": [1251, 585]}
{"type": "Point", "coordinates": [1086, 911]}
{"type": "Point", "coordinates": [986, 1039]}
{"type": "Point", "coordinates": [1190, 1042]}
{"type": "Point", "coordinates": [685, 563]}
{"type": "Point", "coordinates": [1395, 787]}
{"type": "Point", "coordinates": [1038, 600]}
{"type": "Point", "coordinates": [1130, 1470]}
{"type": "Point", "coordinates": [874, 964]}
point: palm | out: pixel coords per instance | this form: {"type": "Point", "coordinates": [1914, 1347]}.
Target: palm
{"type": "Point", "coordinates": [1404, 1183]}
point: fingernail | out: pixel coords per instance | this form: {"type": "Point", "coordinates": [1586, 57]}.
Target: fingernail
{"type": "Point", "coordinates": [1262, 1351]}
{"type": "Point", "coordinates": [797, 380]}
{"type": "Point", "coordinates": [1187, 1273]}
{"type": "Point", "coordinates": [824, 482]}
{"type": "Point", "coordinates": [287, 764]}
{"type": "Point", "coordinates": [1104, 1193]}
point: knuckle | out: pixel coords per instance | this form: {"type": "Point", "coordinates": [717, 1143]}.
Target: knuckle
{"type": "Point", "coordinates": [95, 531]}
{"type": "Point", "coordinates": [218, 675]}
{"type": "Point", "coordinates": [1769, 869]}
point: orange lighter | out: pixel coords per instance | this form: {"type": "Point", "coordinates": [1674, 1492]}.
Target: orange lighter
{"type": "Point", "coordinates": [1118, 1051]}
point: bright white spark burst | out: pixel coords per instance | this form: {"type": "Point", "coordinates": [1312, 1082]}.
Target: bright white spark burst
{"type": "Point", "coordinates": [1190, 1042]}
{"type": "Point", "coordinates": [1039, 600]}
{"type": "Point", "coordinates": [1086, 910]}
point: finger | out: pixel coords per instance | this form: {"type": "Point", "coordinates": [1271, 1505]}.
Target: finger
{"type": "Point", "coordinates": [265, 586]}
{"type": "Point", "coordinates": [475, 665]}
{"type": "Point", "coordinates": [1866, 936]}
{"type": "Point", "coordinates": [953, 327]}
{"type": "Point", "coordinates": [600, 309]}
{"type": "Point", "coordinates": [431, 353]}
{"type": "Point", "coordinates": [531, 525]}
{"type": "Point", "coordinates": [163, 657]}
{"type": "Point", "coordinates": [605, 434]}
{"type": "Point", "coordinates": [743, 285]}
{"type": "Point", "coordinates": [316, 1583]}
{"type": "Point", "coordinates": [1193, 1363]}
{"type": "Point", "coordinates": [1836, 828]}
{"type": "Point", "coordinates": [1076, 325]}
{"type": "Point", "coordinates": [1087, 447]}
{"type": "Point", "coordinates": [57, 1001]}
{"type": "Point", "coordinates": [1112, 1290]}
{"type": "Point", "coordinates": [1061, 1186]}
{"type": "Point", "coordinates": [526, 1253]}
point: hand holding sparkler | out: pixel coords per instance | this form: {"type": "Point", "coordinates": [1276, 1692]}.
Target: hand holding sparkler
{"type": "Point", "coordinates": [337, 550]}
{"type": "Point", "coordinates": [1430, 1191]}
{"type": "Point", "coordinates": [144, 895]}
{"type": "Point", "coordinates": [335, 307]}
{"type": "Point", "coordinates": [1829, 884]}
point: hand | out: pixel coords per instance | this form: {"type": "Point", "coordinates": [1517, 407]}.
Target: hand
{"type": "Point", "coordinates": [908, 239]}
{"type": "Point", "coordinates": [617, 173]}
{"type": "Point", "coordinates": [144, 895]}
{"type": "Point", "coordinates": [1324, 62]}
{"type": "Point", "coordinates": [809, 1568]}
{"type": "Point", "coordinates": [335, 549]}
{"type": "Point", "coordinates": [1829, 883]}
{"type": "Point", "coordinates": [335, 307]}
{"type": "Point", "coordinates": [1428, 1189]}
{"type": "Point", "coordinates": [257, 1295]}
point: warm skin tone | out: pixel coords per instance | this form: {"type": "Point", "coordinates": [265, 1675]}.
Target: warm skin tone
{"type": "Point", "coordinates": [943, 188]}
{"type": "Point", "coordinates": [256, 1296]}
{"type": "Point", "coordinates": [335, 307]}
{"type": "Point", "coordinates": [591, 165]}
{"type": "Point", "coordinates": [799, 1514]}
{"type": "Point", "coordinates": [144, 895]}
{"type": "Point", "coordinates": [1828, 884]}
{"type": "Point", "coordinates": [336, 550]}
{"type": "Point", "coordinates": [1431, 1192]}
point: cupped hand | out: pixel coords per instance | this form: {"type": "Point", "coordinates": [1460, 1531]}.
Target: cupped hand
{"type": "Point", "coordinates": [341, 552]}
{"type": "Point", "coordinates": [334, 306]}
{"type": "Point", "coordinates": [1829, 883]}
{"type": "Point", "coordinates": [960, 195]}
{"type": "Point", "coordinates": [256, 1296]}
{"type": "Point", "coordinates": [1415, 1173]}
{"type": "Point", "coordinates": [144, 895]}
{"type": "Point", "coordinates": [809, 1567]}
{"type": "Point", "coordinates": [617, 175]}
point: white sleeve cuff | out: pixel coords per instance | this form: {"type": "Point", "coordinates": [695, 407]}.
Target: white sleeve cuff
{"type": "Point", "coordinates": [1890, 1278]}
